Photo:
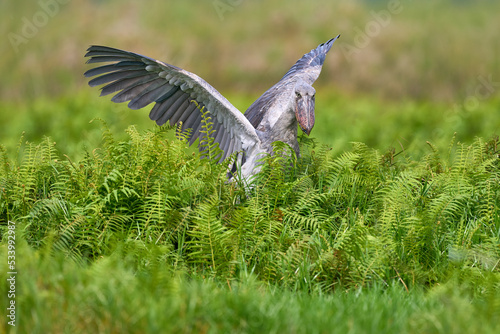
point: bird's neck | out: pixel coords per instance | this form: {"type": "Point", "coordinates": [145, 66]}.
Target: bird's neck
{"type": "Point", "coordinates": [280, 126]}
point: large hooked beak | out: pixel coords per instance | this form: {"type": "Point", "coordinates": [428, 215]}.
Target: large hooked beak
{"type": "Point", "coordinates": [304, 112]}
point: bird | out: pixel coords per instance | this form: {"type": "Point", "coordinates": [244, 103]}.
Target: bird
{"type": "Point", "coordinates": [177, 95]}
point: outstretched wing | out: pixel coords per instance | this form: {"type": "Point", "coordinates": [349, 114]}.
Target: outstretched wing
{"type": "Point", "coordinates": [143, 80]}
{"type": "Point", "coordinates": [309, 66]}
{"type": "Point", "coordinates": [306, 68]}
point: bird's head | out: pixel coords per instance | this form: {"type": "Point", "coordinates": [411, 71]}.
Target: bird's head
{"type": "Point", "coordinates": [304, 106]}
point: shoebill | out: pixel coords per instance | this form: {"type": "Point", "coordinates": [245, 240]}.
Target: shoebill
{"type": "Point", "coordinates": [276, 115]}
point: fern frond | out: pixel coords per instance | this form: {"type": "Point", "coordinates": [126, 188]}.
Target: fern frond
{"type": "Point", "coordinates": [211, 244]}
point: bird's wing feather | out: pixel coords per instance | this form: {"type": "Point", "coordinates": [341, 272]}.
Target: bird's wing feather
{"type": "Point", "coordinates": [306, 68]}
{"type": "Point", "coordinates": [142, 80]}
{"type": "Point", "coordinates": [309, 66]}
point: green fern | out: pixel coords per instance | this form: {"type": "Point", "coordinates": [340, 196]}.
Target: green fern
{"type": "Point", "coordinates": [209, 149]}
{"type": "Point", "coordinates": [312, 223]}
{"type": "Point", "coordinates": [211, 242]}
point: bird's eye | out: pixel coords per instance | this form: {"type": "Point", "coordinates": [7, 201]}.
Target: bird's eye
{"type": "Point", "coordinates": [297, 94]}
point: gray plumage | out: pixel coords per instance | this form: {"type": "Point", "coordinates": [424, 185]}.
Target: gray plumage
{"type": "Point", "coordinates": [273, 116]}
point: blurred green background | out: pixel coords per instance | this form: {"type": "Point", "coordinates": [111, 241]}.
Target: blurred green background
{"type": "Point", "coordinates": [402, 73]}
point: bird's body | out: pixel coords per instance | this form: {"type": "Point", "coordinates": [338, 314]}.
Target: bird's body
{"type": "Point", "coordinates": [273, 116]}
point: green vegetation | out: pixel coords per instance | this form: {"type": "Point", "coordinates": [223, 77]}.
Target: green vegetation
{"type": "Point", "coordinates": [389, 222]}
{"type": "Point", "coordinates": [144, 221]}
{"type": "Point", "coordinates": [340, 120]}
{"type": "Point", "coordinates": [132, 291]}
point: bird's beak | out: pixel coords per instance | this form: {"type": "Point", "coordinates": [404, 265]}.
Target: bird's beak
{"type": "Point", "coordinates": [304, 112]}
